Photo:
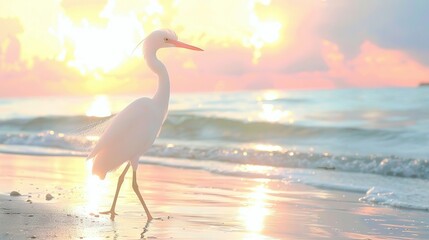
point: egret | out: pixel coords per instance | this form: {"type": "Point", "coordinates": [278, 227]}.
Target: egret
{"type": "Point", "coordinates": [136, 127]}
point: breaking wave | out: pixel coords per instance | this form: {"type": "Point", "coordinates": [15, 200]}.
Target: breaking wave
{"type": "Point", "coordinates": [252, 154]}
{"type": "Point", "coordinates": [194, 127]}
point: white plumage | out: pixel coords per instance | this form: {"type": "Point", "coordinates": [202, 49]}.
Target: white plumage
{"type": "Point", "coordinates": [133, 130]}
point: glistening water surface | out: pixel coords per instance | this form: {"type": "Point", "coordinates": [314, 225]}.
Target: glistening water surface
{"type": "Point", "coordinates": [370, 141]}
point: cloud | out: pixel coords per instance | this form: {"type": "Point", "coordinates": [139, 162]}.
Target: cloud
{"type": "Point", "coordinates": [9, 27]}
{"type": "Point", "coordinates": [374, 67]}
{"type": "Point", "coordinates": [313, 63]}
{"type": "Point", "coordinates": [320, 44]}
{"type": "Point", "coordinates": [394, 24]}
{"type": "Point", "coordinates": [10, 47]}
{"type": "Point", "coordinates": [78, 10]}
{"type": "Point", "coordinates": [43, 77]}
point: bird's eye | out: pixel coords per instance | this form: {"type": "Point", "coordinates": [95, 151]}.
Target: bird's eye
{"type": "Point", "coordinates": [165, 39]}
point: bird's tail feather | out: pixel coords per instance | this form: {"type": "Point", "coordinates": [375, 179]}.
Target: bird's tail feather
{"type": "Point", "coordinates": [104, 163]}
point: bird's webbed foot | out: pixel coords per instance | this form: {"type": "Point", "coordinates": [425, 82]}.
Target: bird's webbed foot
{"type": "Point", "coordinates": [112, 214]}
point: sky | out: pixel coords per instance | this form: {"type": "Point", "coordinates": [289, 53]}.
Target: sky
{"type": "Point", "coordinates": [84, 47]}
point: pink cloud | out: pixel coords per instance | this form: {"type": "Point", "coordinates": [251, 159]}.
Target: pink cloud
{"type": "Point", "coordinates": [375, 67]}
{"type": "Point", "coordinates": [225, 69]}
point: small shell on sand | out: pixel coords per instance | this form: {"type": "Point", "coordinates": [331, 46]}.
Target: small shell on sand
{"type": "Point", "coordinates": [48, 197]}
{"type": "Point", "coordinates": [15, 194]}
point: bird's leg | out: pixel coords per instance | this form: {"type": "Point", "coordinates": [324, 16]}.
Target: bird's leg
{"type": "Point", "coordinates": [137, 191]}
{"type": "Point", "coordinates": [120, 181]}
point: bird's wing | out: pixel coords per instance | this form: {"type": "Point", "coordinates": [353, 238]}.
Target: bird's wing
{"type": "Point", "coordinates": [122, 124]}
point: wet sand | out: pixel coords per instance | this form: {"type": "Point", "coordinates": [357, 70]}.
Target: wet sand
{"type": "Point", "coordinates": [189, 204]}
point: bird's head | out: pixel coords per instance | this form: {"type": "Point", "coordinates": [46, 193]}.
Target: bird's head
{"type": "Point", "coordinates": [165, 38]}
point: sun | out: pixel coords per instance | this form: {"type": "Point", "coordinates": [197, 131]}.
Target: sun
{"type": "Point", "coordinates": [93, 48]}
{"type": "Point", "coordinates": [263, 31]}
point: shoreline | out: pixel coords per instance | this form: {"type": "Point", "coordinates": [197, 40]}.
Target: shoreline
{"type": "Point", "coordinates": [191, 204]}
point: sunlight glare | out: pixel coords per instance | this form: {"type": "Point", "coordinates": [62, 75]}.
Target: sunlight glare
{"type": "Point", "coordinates": [268, 148]}
{"type": "Point", "coordinates": [271, 95]}
{"type": "Point", "coordinates": [90, 48]}
{"type": "Point", "coordinates": [95, 189]}
{"type": "Point", "coordinates": [257, 169]}
{"type": "Point", "coordinates": [264, 31]}
{"type": "Point", "coordinates": [269, 113]}
{"type": "Point", "coordinates": [100, 107]}
{"type": "Point", "coordinates": [255, 212]}
{"type": "Point", "coordinates": [92, 138]}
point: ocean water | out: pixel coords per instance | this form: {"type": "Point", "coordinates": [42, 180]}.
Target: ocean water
{"type": "Point", "coordinates": [371, 141]}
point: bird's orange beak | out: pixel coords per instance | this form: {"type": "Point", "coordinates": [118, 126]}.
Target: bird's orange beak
{"type": "Point", "coordinates": [183, 45]}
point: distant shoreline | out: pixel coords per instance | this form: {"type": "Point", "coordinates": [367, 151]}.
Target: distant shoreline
{"type": "Point", "coordinates": [424, 84]}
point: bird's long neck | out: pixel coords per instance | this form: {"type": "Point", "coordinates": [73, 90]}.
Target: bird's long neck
{"type": "Point", "coordinates": [162, 95]}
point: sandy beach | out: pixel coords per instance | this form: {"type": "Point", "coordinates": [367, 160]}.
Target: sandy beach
{"type": "Point", "coordinates": [188, 204]}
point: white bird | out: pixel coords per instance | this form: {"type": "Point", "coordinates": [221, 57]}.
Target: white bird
{"type": "Point", "coordinates": [136, 127]}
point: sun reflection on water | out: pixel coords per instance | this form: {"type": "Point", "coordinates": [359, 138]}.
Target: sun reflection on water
{"type": "Point", "coordinates": [272, 114]}
{"type": "Point", "coordinates": [267, 147]}
{"type": "Point", "coordinates": [100, 107]}
{"type": "Point", "coordinates": [253, 215]}
{"type": "Point", "coordinates": [272, 111]}
{"type": "Point", "coordinates": [271, 95]}
{"type": "Point", "coordinates": [92, 138]}
{"type": "Point", "coordinates": [255, 169]}
{"type": "Point", "coordinates": [96, 189]}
